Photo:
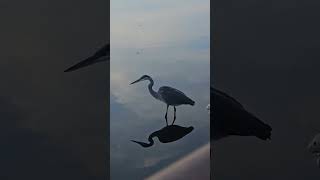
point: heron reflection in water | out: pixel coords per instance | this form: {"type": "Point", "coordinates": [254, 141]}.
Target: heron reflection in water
{"type": "Point", "coordinates": [168, 95]}
{"type": "Point", "coordinates": [103, 54]}
{"type": "Point", "coordinates": [167, 134]}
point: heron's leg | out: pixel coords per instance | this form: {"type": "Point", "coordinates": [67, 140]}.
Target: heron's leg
{"type": "Point", "coordinates": [174, 118]}
{"type": "Point", "coordinates": [166, 115]}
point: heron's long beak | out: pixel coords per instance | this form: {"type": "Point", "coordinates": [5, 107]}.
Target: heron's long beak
{"type": "Point", "coordinates": [135, 81]}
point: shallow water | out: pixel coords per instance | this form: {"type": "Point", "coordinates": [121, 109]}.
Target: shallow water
{"type": "Point", "coordinates": [170, 43]}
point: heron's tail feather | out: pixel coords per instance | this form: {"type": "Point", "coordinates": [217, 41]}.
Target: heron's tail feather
{"type": "Point", "coordinates": [190, 101]}
{"type": "Point", "coordinates": [259, 129]}
{"type": "Point", "coordinates": [263, 131]}
{"type": "Point", "coordinates": [251, 126]}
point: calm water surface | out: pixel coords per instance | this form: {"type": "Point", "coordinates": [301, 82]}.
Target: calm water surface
{"type": "Point", "coordinates": [169, 42]}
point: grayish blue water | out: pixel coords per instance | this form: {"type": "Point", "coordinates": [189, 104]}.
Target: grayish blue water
{"type": "Point", "coordinates": [169, 42]}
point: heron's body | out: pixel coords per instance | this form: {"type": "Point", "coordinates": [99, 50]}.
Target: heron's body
{"type": "Point", "coordinates": [103, 54]}
{"type": "Point", "coordinates": [167, 134]}
{"type": "Point", "coordinates": [170, 96]}
{"type": "Point", "coordinates": [231, 118]}
{"type": "Point", "coordinates": [173, 97]}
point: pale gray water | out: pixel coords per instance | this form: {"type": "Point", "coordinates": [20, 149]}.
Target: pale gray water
{"type": "Point", "coordinates": [170, 43]}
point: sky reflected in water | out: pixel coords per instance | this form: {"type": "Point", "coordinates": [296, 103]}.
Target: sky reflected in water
{"type": "Point", "coordinates": [169, 42]}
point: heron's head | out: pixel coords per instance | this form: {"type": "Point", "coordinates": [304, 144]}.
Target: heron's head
{"type": "Point", "coordinates": [314, 146]}
{"type": "Point", "coordinates": [143, 78]}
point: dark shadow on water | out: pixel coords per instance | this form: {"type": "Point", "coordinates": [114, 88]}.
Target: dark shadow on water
{"type": "Point", "coordinates": [167, 134]}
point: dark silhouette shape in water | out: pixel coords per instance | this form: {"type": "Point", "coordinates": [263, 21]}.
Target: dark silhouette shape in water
{"type": "Point", "coordinates": [167, 134]}
{"type": "Point", "coordinates": [231, 118]}
{"type": "Point", "coordinates": [103, 54]}
{"type": "Point", "coordinates": [168, 95]}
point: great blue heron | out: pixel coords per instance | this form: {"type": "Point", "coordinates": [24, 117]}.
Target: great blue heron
{"type": "Point", "coordinates": [229, 117]}
{"type": "Point", "coordinates": [103, 54]}
{"type": "Point", "coordinates": [168, 95]}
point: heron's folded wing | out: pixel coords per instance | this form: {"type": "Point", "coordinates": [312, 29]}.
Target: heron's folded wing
{"type": "Point", "coordinates": [173, 95]}
{"type": "Point", "coordinates": [230, 118]}
{"type": "Point", "coordinates": [217, 93]}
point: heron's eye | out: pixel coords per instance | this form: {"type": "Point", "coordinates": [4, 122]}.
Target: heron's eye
{"type": "Point", "coordinates": [314, 143]}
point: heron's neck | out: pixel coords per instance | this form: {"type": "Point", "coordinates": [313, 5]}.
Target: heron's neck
{"type": "Point", "coordinates": [143, 144]}
{"type": "Point", "coordinates": [152, 92]}
{"type": "Point", "coordinates": [151, 142]}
